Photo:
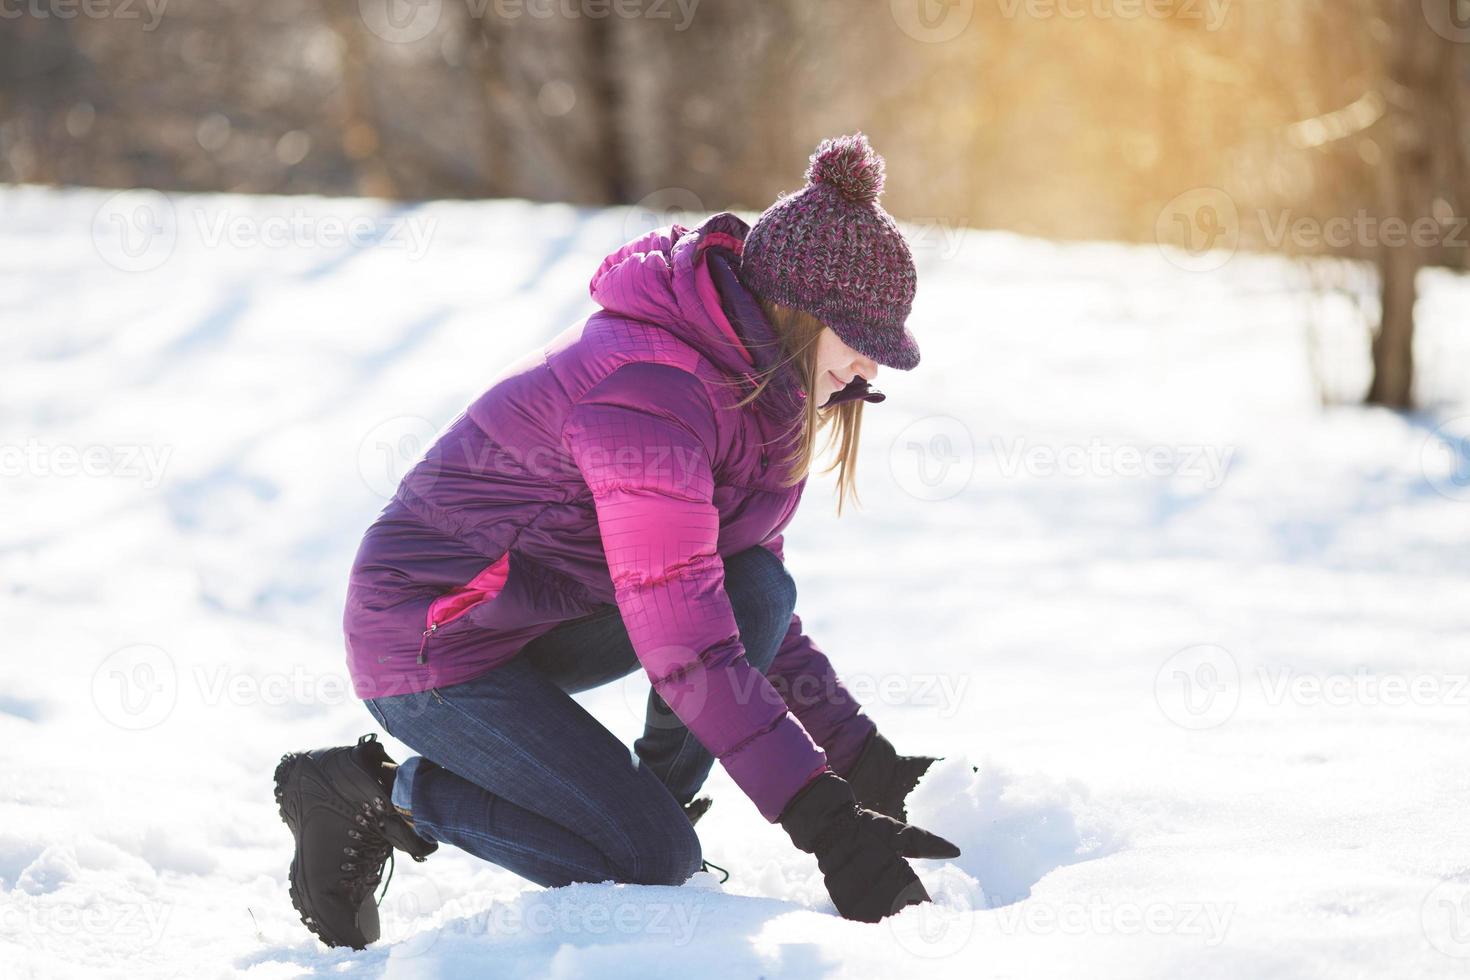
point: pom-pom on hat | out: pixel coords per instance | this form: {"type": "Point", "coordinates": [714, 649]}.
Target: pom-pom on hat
{"type": "Point", "coordinates": [832, 251]}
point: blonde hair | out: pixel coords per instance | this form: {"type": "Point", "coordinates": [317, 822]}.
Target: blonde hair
{"type": "Point", "coordinates": [798, 332]}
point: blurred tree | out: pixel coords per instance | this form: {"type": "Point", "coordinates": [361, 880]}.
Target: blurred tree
{"type": "Point", "coordinates": [1420, 176]}
{"type": "Point", "coordinates": [1076, 121]}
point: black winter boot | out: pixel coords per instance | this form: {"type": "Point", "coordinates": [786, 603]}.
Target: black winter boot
{"type": "Point", "coordinates": [336, 802]}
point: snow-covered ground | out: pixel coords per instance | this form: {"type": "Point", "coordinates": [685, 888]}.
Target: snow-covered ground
{"type": "Point", "coordinates": [1194, 648]}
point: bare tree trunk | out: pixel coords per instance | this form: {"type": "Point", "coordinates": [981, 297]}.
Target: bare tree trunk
{"type": "Point", "coordinates": [1422, 149]}
{"type": "Point", "coordinates": [1393, 345]}
{"type": "Point", "coordinates": [605, 84]}
{"type": "Point", "coordinates": [362, 135]}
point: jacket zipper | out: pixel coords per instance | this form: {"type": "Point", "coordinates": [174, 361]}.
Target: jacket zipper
{"type": "Point", "coordinates": [423, 657]}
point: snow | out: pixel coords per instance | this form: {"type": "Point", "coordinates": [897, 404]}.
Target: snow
{"type": "Point", "coordinates": [1192, 646]}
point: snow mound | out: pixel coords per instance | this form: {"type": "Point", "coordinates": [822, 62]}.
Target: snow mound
{"type": "Point", "coordinates": [1011, 830]}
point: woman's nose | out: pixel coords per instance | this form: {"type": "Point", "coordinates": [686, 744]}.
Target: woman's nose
{"type": "Point", "coordinates": [867, 367]}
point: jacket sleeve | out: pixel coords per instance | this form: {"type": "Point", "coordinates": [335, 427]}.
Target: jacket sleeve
{"type": "Point", "coordinates": [640, 439]}
{"type": "Point", "coordinates": [813, 692]}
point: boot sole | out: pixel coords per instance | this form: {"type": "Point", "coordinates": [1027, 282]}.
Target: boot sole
{"type": "Point", "coordinates": [300, 896]}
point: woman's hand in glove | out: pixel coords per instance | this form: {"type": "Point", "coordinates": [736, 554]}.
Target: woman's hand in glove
{"type": "Point", "coordinates": [882, 779]}
{"type": "Point", "coordinates": [861, 853]}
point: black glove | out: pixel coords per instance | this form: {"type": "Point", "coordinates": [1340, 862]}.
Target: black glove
{"type": "Point", "coordinates": [861, 853]}
{"type": "Point", "coordinates": [882, 779]}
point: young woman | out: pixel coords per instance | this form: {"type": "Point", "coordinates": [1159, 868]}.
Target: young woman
{"type": "Point", "coordinates": [616, 500]}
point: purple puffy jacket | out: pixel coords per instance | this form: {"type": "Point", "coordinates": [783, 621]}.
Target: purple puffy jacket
{"type": "Point", "coordinates": [611, 466]}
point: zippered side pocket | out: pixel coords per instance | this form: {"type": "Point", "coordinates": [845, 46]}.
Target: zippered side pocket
{"type": "Point", "coordinates": [452, 606]}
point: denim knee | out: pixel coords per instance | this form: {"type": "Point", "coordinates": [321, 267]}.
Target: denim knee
{"type": "Point", "coordinates": [670, 857]}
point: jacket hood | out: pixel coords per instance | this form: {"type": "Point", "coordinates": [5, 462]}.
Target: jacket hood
{"type": "Point", "coordinates": [664, 277]}
{"type": "Point", "coordinates": [685, 280]}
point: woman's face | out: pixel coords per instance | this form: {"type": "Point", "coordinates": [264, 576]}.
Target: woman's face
{"type": "Point", "coordinates": [838, 364]}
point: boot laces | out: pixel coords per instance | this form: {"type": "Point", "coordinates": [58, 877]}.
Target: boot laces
{"type": "Point", "coordinates": [364, 867]}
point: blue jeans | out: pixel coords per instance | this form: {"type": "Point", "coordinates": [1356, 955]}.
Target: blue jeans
{"type": "Point", "coordinates": [515, 771]}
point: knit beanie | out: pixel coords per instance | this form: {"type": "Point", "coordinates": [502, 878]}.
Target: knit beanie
{"type": "Point", "coordinates": [831, 250]}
